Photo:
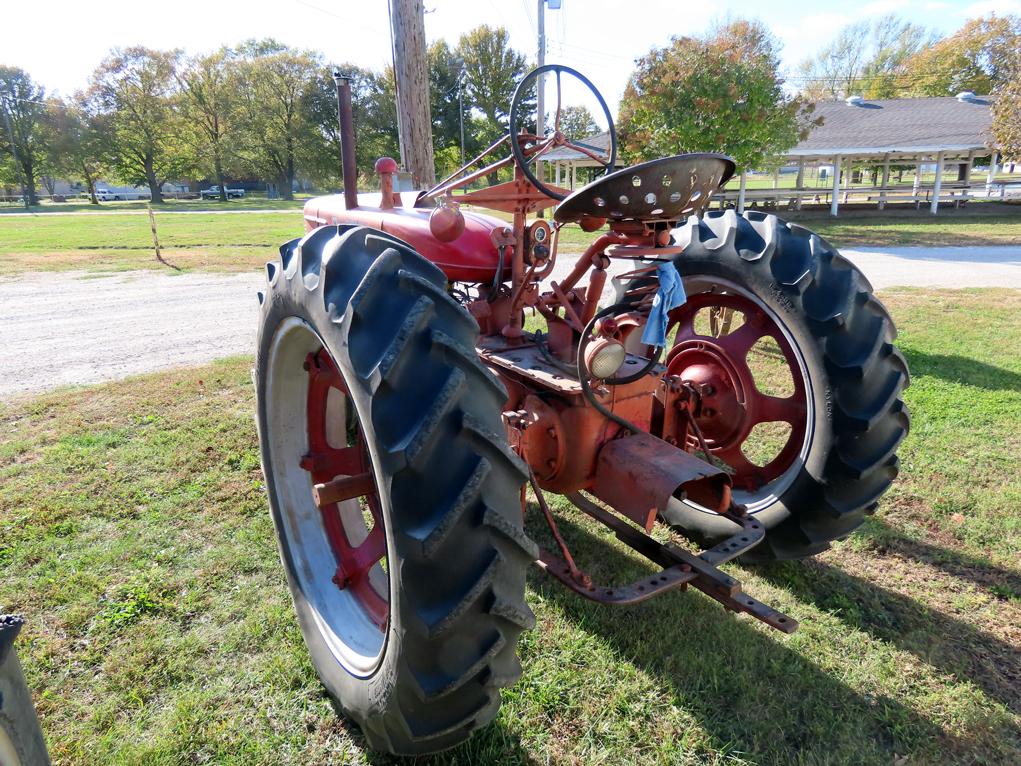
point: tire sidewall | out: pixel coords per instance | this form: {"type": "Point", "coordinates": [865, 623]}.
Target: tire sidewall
{"type": "Point", "coordinates": [364, 695]}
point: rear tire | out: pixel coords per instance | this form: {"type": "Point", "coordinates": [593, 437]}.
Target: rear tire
{"type": "Point", "coordinates": [448, 485]}
{"type": "Point", "coordinates": [854, 374]}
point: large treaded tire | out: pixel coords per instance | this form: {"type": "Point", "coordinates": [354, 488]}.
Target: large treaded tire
{"type": "Point", "coordinates": [857, 376]}
{"type": "Point", "coordinates": [449, 485]}
{"type": "Point", "coordinates": [21, 739]}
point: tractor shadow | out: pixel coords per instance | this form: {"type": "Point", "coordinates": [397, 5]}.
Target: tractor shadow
{"type": "Point", "coordinates": [752, 690]}
{"type": "Point", "coordinates": [950, 645]}
{"type": "Point", "coordinates": [996, 581]}
{"type": "Point", "coordinates": [963, 370]}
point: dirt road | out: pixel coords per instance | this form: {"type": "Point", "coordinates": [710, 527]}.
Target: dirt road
{"type": "Point", "coordinates": [61, 328]}
{"type": "Point", "coordinates": [65, 327]}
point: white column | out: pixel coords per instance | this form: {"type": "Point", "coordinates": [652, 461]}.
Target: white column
{"type": "Point", "coordinates": [557, 172]}
{"type": "Point", "coordinates": [574, 176]}
{"type": "Point", "coordinates": [847, 181]}
{"type": "Point", "coordinates": [740, 192]}
{"type": "Point", "coordinates": [799, 183]}
{"type": "Point", "coordinates": [835, 199]}
{"type": "Point", "coordinates": [918, 178]}
{"type": "Point", "coordinates": [992, 173]}
{"type": "Point", "coordinates": [885, 181]}
{"type": "Point", "coordinates": [934, 205]}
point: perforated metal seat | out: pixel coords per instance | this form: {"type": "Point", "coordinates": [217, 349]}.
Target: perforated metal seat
{"type": "Point", "coordinates": [666, 189]}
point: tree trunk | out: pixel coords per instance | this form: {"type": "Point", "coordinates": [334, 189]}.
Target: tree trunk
{"type": "Point", "coordinates": [411, 74]}
{"type": "Point", "coordinates": [284, 187]}
{"type": "Point", "coordinates": [218, 170]}
{"type": "Point", "coordinates": [30, 193]}
{"type": "Point", "coordinates": [288, 177]}
{"type": "Point", "coordinates": [155, 192]}
{"type": "Point", "coordinates": [90, 184]}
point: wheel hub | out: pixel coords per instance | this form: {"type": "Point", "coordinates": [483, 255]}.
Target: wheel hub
{"type": "Point", "coordinates": [720, 413]}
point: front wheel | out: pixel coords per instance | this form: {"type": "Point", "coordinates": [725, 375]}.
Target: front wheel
{"type": "Point", "coordinates": [392, 489]}
{"type": "Point", "coordinates": [800, 381]}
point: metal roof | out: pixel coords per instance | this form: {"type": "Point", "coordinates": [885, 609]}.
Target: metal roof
{"type": "Point", "coordinates": [908, 126]}
{"type": "Point", "coordinates": [599, 142]}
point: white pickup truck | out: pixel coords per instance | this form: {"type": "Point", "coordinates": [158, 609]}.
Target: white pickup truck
{"type": "Point", "coordinates": [213, 192]}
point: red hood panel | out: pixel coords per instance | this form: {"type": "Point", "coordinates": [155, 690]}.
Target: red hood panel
{"type": "Point", "coordinates": [472, 257]}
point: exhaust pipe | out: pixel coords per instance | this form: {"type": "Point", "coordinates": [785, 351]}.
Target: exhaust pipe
{"type": "Point", "coordinates": [347, 138]}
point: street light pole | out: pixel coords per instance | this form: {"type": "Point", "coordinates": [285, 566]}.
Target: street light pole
{"type": "Point", "coordinates": [460, 112]}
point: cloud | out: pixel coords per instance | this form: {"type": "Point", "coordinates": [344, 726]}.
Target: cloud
{"type": "Point", "coordinates": [883, 7]}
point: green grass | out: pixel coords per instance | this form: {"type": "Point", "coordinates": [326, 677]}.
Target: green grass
{"type": "Point", "coordinates": [248, 202]}
{"type": "Point", "coordinates": [210, 242]}
{"type": "Point", "coordinates": [203, 241]}
{"type": "Point", "coordinates": [987, 223]}
{"type": "Point", "coordinates": [134, 535]}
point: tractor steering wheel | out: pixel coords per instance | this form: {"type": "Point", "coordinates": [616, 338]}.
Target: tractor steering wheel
{"type": "Point", "coordinates": [526, 158]}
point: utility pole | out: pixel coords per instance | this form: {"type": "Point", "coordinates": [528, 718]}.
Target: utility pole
{"type": "Point", "coordinates": [14, 151]}
{"type": "Point", "coordinates": [540, 81]}
{"type": "Point", "coordinates": [407, 27]}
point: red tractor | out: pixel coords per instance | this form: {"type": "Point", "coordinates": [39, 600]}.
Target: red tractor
{"type": "Point", "coordinates": [406, 407]}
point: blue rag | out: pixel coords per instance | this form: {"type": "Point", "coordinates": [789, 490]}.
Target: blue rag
{"type": "Point", "coordinates": [669, 296]}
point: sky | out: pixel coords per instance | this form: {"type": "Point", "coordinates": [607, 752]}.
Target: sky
{"type": "Point", "coordinates": [59, 42]}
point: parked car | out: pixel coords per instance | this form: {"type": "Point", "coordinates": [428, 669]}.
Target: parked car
{"type": "Point", "coordinates": [213, 192]}
{"type": "Point", "coordinates": [108, 195]}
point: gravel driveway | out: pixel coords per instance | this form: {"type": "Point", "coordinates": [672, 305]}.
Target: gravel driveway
{"type": "Point", "coordinates": [67, 327]}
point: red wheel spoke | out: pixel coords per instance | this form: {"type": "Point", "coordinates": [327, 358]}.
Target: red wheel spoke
{"type": "Point", "coordinates": [685, 324]}
{"type": "Point", "coordinates": [746, 475]}
{"type": "Point", "coordinates": [339, 475]}
{"type": "Point", "coordinates": [768, 409]}
{"type": "Point", "coordinates": [325, 462]}
{"type": "Point", "coordinates": [372, 549]}
{"type": "Point", "coordinates": [740, 342]}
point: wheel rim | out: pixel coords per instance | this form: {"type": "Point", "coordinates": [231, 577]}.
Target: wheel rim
{"type": "Point", "coordinates": [337, 551]}
{"type": "Point", "coordinates": [715, 360]}
{"type": "Point", "coordinates": [8, 755]}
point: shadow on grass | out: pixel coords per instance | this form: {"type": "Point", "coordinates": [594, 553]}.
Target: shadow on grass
{"type": "Point", "coordinates": [962, 369]}
{"type": "Point", "coordinates": [494, 744]}
{"type": "Point", "coordinates": [996, 581]}
{"type": "Point", "coordinates": [949, 644]}
{"type": "Point", "coordinates": [751, 692]}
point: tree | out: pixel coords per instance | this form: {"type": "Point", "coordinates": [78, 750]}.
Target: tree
{"type": "Point", "coordinates": [135, 90]}
{"type": "Point", "coordinates": [975, 58]}
{"type": "Point", "coordinates": [274, 81]}
{"type": "Point", "coordinates": [79, 142]}
{"type": "Point", "coordinates": [445, 105]}
{"type": "Point", "coordinates": [719, 93]}
{"type": "Point", "coordinates": [23, 102]}
{"type": "Point", "coordinates": [374, 110]}
{"type": "Point", "coordinates": [492, 70]}
{"type": "Point", "coordinates": [1007, 108]}
{"type": "Point", "coordinates": [208, 85]}
{"type": "Point", "coordinates": [577, 122]}
{"type": "Point", "coordinates": [867, 58]}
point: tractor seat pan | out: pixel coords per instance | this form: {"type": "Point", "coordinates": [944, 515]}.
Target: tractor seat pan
{"type": "Point", "coordinates": [666, 189]}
